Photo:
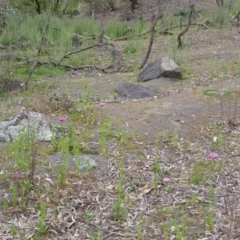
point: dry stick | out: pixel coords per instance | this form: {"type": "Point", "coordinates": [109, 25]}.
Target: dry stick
{"type": "Point", "coordinates": [150, 44]}
{"type": "Point", "coordinates": [151, 39]}
{"type": "Point", "coordinates": [81, 50]}
{"type": "Point", "coordinates": [59, 63]}
{"type": "Point", "coordinates": [201, 24]}
{"type": "Point", "coordinates": [151, 35]}
{"type": "Point", "coordinates": [187, 27]}
{"type": "Point", "coordinates": [38, 54]}
{"type": "Point", "coordinates": [126, 37]}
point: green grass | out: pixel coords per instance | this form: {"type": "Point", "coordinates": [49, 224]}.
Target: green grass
{"type": "Point", "coordinates": [204, 171]}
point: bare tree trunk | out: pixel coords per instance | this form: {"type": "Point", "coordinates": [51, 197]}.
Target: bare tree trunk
{"type": "Point", "coordinates": [56, 5]}
{"type": "Point", "coordinates": [237, 17]}
{"type": "Point", "coordinates": [38, 54]}
{"type": "Point", "coordinates": [38, 7]}
{"type": "Point", "coordinates": [133, 3]}
{"type": "Point", "coordinates": [187, 27]}
{"type": "Point", "coordinates": [100, 37]}
{"type": "Point", "coordinates": [219, 3]}
{"type": "Point", "coordinates": [151, 36]}
{"type": "Point", "coordinates": [65, 8]}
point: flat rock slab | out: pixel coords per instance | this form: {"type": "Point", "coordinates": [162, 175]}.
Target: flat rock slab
{"type": "Point", "coordinates": [80, 163]}
{"type": "Point", "coordinates": [134, 91]}
{"type": "Point", "coordinates": [41, 125]}
{"type": "Point", "coordinates": [164, 67]}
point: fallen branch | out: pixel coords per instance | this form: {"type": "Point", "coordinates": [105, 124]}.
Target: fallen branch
{"type": "Point", "coordinates": [202, 24]}
{"type": "Point", "coordinates": [60, 64]}
{"type": "Point", "coordinates": [132, 36]}
{"type": "Point", "coordinates": [84, 49]}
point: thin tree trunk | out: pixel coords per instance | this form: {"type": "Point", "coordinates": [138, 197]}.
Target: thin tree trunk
{"type": "Point", "coordinates": [187, 27]}
{"type": "Point", "coordinates": [38, 7]}
{"type": "Point", "coordinates": [151, 39]}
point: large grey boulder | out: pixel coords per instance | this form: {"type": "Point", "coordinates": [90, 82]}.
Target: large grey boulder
{"type": "Point", "coordinates": [134, 91]}
{"type": "Point", "coordinates": [40, 124]}
{"type": "Point", "coordinates": [164, 67]}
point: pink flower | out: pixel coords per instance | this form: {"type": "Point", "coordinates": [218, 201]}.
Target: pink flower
{"type": "Point", "coordinates": [14, 92]}
{"type": "Point", "coordinates": [23, 109]}
{"type": "Point", "coordinates": [166, 180]}
{"type": "Point", "coordinates": [62, 119]}
{"type": "Point", "coordinates": [101, 104]}
{"type": "Point", "coordinates": [213, 155]}
{"type": "Point", "coordinates": [18, 116]}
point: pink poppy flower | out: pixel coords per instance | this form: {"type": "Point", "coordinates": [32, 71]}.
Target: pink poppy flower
{"type": "Point", "coordinates": [213, 155]}
{"type": "Point", "coordinates": [23, 109]}
{"type": "Point", "coordinates": [166, 180]}
{"type": "Point", "coordinates": [62, 119]}
{"type": "Point", "coordinates": [101, 104]}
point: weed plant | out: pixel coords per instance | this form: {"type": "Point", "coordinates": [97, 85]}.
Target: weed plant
{"type": "Point", "coordinates": [204, 171]}
{"type": "Point", "coordinates": [42, 224]}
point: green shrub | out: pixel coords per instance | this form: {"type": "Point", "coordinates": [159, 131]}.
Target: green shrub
{"type": "Point", "coordinates": [116, 29]}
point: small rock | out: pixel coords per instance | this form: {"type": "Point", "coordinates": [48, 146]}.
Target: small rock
{"type": "Point", "coordinates": [164, 67]}
{"type": "Point", "coordinates": [75, 13]}
{"type": "Point", "coordinates": [134, 91]}
{"type": "Point", "coordinates": [76, 41]}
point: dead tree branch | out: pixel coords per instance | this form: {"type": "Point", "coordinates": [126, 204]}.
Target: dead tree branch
{"type": "Point", "coordinates": [151, 36]}
{"type": "Point", "coordinates": [201, 24]}
{"type": "Point", "coordinates": [108, 46]}
{"type": "Point", "coordinates": [132, 36]}
{"type": "Point", "coordinates": [187, 27]}
{"type": "Point", "coordinates": [38, 53]}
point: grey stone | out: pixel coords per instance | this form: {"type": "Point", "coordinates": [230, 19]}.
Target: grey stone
{"type": "Point", "coordinates": [76, 41]}
{"type": "Point", "coordinates": [7, 85]}
{"type": "Point", "coordinates": [134, 91]}
{"type": "Point", "coordinates": [75, 13]}
{"type": "Point", "coordinates": [164, 67]}
{"type": "Point", "coordinates": [81, 163]}
{"type": "Point", "coordinates": [43, 127]}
